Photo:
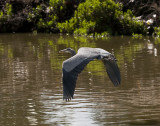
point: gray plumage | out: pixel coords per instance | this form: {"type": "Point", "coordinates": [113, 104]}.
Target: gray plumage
{"type": "Point", "coordinates": [74, 65]}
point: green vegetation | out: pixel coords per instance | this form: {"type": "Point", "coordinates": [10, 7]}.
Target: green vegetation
{"type": "Point", "coordinates": [46, 18]}
{"type": "Point", "coordinates": [1, 14]}
{"type": "Point", "coordinates": [101, 18]}
{"type": "Point", "coordinates": [156, 32]}
{"type": "Point", "coordinates": [7, 14]}
{"type": "Point", "coordinates": [93, 18]}
{"type": "Point", "coordinates": [156, 35]}
{"type": "Point", "coordinates": [136, 36]}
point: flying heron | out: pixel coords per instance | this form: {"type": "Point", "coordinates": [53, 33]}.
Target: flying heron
{"type": "Point", "coordinates": [74, 65]}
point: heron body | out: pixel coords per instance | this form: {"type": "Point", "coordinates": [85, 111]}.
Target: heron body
{"type": "Point", "coordinates": [74, 65]}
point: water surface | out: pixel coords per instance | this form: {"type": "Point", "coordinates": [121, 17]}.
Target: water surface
{"type": "Point", "coordinates": [31, 87]}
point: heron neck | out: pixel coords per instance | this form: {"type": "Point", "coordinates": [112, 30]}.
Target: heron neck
{"type": "Point", "coordinates": [73, 53]}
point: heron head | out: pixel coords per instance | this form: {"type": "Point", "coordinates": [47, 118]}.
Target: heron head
{"type": "Point", "coordinates": [68, 50]}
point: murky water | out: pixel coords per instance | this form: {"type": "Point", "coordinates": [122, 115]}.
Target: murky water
{"type": "Point", "coordinates": [31, 88]}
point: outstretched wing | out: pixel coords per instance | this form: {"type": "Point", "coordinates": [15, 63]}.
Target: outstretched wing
{"type": "Point", "coordinates": [74, 65]}
{"type": "Point", "coordinates": [70, 73]}
{"type": "Point", "coordinates": [112, 69]}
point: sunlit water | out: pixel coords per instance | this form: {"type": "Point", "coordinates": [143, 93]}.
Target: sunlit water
{"type": "Point", "coordinates": [31, 87]}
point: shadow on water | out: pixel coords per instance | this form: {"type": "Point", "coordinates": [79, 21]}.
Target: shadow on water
{"type": "Point", "coordinates": [31, 87]}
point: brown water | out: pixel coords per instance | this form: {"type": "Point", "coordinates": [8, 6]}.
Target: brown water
{"type": "Point", "coordinates": [31, 88]}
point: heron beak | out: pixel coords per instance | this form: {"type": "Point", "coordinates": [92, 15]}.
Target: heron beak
{"type": "Point", "coordinates": [63, 50]}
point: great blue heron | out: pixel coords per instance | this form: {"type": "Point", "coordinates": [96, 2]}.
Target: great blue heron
{"type": "Point", "coordinates": [74, 65]}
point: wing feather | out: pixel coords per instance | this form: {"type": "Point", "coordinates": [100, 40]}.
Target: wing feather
{"type": "Point", "coordinates": [112, 70]}
{"type": "Point", "coordinates": [69, 79]}
{"type": "Point", "coordinates": [74, 65]}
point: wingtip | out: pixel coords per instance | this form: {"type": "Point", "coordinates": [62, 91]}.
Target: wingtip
{"type": "Point", "coordinates": [116, 81]}
{"type": "Point", "coordinates": [116, 84]}
{"type": "Point", "coordinates": [67, 98]}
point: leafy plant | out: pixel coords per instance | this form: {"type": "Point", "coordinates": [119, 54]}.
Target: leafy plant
{"type": "Point", "coordinates": [101, 16]}
{"type": "Point", "coordinates": [45, 19]}
{"type": "Point", "coordinates": [7, 13]}
{"type": "Point", "coordinates": [8, 9]}
{"type": "Point", "coordinates": [156, 33]}
{"type": "Point", "coordinates": [1, 15]}
{"type": "Point", "coordinates": [136, 36]}
{"type": "Point", "coordinates": [36, 14]}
